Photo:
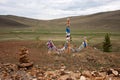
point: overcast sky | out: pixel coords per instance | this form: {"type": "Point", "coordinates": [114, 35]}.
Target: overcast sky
{"type": "Point", "coordinates": [51, 9]}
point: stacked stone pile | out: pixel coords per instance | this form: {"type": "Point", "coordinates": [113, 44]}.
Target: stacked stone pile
{"type": "Point", "coordinates": [24, 61]}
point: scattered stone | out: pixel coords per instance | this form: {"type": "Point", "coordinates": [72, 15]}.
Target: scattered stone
{"type": "Point", "coordinates": [7, 72]}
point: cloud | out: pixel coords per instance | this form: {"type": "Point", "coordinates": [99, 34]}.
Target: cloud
{"type": "Point", "coordinates": [51, 9]}
{"type": "Point", "coordinates": [111, 6]}
{"type": "Point", "coordinates": [3, 1]}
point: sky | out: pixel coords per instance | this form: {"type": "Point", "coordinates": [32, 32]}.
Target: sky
{"type": "Point", "coordinates": [52, 9]}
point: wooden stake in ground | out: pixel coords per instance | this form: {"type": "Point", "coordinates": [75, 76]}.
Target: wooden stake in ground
{"type": "Point", "coordinates": [68, 35]}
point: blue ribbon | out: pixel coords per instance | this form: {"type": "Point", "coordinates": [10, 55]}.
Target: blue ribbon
{"type": "Point", "coordinates": [67, 30]}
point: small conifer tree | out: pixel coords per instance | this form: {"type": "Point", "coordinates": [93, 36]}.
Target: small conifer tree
{"type": "Point", "coordinates": [107, 44]}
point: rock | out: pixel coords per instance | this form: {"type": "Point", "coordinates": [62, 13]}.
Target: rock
{"type": "Point", "coordinates": [102, 74]}
{"type": "Point", "coordinates": [25, 65]}
{"type": "Point", "coordinates": [64, 77]}
{"type": "Point", "coordinates": [62, 73]}
{"type": "Point", "coordinates": [95, 74]}
{"type": "Point", "coordinates": [62, 70]}
{"type": "Point", "coordinates": [63, 66]}
{"type": "Point", "coordinates": [82, 78]}
{"type": "Point", "coordinates": [41, 78]}
{"type": "Point", "coordinates": [108, 71]}
{"type": "Point", "coordinates": [117, 69]}
{"type": "Point", "coordinates": [76, 75]}
{"type": "Point", "coordinates": [99, 78]}
{"type": "Point", "coordinates": [114, 72]}
{"type": "Point", "coordinates": [4, 74]}
{"type": "Point", "coordinates": [34, 79]}
{"type": "Point", "coordinates": [110, 78]}
{"type": "Point", "coordinates": [14, 67]}
{"type": "Point", "coordinates": [87, 74]}
{"type": "Point", "coordinates": [69, 78]}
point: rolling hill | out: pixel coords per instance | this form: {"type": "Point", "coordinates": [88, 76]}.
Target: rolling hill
{"type": "Point", "coordinates": [7, 23]}
{"type": "Point", "coordinates": [105, 21]}
{"type": "Point", "coordinates": [99, 21]}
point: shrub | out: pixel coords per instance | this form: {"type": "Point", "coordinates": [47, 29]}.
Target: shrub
{"type": "Point", "coordinates": [107, 44]}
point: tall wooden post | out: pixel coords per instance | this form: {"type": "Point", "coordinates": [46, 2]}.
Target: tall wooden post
{"type": "Point", "coordinates": [68, 39]}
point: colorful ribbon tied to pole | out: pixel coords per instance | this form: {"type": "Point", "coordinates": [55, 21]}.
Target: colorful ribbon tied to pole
{"type": "Point", "coordinates": [67, 33]}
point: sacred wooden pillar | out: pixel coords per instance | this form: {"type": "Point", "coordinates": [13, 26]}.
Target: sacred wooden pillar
{"type": "Point", "coordinates": [68, 37]}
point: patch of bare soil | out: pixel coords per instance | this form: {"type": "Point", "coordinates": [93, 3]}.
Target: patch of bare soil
{"type": "Point", "coordinates": [87, 59]}
{"type": "Point", "coordinates": [90, 59]}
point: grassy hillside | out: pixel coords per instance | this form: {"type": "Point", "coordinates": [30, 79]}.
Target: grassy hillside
{"type": "Point", "coordinates": [106, 21]}
{"type": "Point", "coordinates": [8, 23]}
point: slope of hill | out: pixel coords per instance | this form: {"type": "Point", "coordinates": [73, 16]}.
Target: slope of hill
{"type": "Point", "coordinates": [105, 21]}
{"type": "Point", "coordinates": [33, 23]}
{"type": "Point", "coordinates": [99, 21]}
{"type": "Point", "coordinates": [5, 22]}
{"type": "Point", "coordinates": [23, 20]}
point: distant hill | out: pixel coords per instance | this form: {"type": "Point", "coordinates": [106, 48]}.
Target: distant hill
{"type": "Point", "coordinates": [99, 21]}
{"type": "Point", "coordinates": [105, 21]}
{"type": "Point", "coordinates": [7, 23]}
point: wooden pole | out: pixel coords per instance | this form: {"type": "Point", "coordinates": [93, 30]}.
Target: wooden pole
{"type": "Point", "coordinates": [68, 22]}
{"type": "Point", "coordinates": [68, 25]}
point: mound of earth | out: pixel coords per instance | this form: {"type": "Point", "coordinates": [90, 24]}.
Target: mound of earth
{"type": "Point", "coordinates": [87, 59]}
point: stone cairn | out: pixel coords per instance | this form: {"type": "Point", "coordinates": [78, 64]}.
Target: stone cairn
{"type": "Point", "coordinates": [24, 61]}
